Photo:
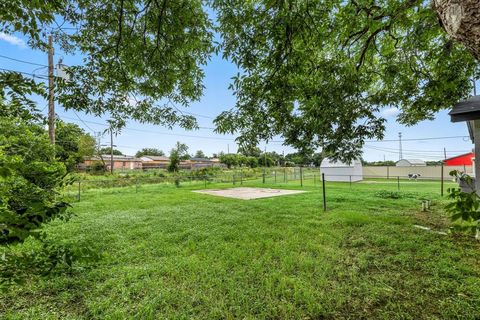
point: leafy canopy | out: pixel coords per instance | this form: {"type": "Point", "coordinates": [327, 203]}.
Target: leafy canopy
{"type": "Point", "coordinates": [178, 153]}
{"type": "Point", "coordinates": [141, 58]}
{"type": "Point", "coordinates": [108, 150]}
{"type": "Point", "coordinates": [200, 154]}
{"type": "Point", "coordinates": [318, 73]}
{"type": "Point", "coordinates": [72, 144]}
{"type": "Point", "coordinates": [149, 152]}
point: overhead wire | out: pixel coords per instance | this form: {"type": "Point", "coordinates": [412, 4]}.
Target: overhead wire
{"type": "Point", "coordinates": [23, 61]}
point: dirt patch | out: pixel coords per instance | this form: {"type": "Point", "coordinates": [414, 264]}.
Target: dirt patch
{"type": "Point", "coordinates": [248, 193]}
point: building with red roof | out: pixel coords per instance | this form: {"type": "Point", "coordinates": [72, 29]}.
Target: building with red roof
{"type": "Point", "coordinates": [460, 160]}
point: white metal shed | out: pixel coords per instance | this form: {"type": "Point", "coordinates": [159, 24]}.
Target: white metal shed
{"type": "Point", "coordinates": [340, 171]}
{"type": "Point", "coordinates": [411, 163]}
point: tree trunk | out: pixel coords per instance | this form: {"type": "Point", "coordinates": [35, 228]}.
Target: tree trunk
{"type": "Point", "coordinates": [461, 20]}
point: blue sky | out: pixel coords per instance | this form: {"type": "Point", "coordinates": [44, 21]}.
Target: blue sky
{"type": "Point", "coordinates": [217, 98]}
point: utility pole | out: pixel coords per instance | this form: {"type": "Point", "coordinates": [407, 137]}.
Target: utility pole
{"type": "Point", "coordinates": [228, 149]}
{"type": "Point", "coordinates": [400, 154]}
{"type": "Point", "coordinates": [51, 86]}
{"type": "Point", "coordinates": [445, 153]}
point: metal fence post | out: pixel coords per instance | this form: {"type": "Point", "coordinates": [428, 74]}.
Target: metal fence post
{"type": "Point", "coordinates": [284, 175]}
{"type": "Point", "coordinates": [324, 193]}
{"type": "Point", "coordinates": [388, 172]}
{"type": "Point", "coordinates": [263, 176]}
{"type": "Point", "coordinates": [441, 182]}
{"type": "Point", "coordinates": [398, 182]}
{"type": "Point", "coordinates": [350, 181]}
{"type": "Point", "coordinates": [275, 172]}
{"type": "Point", "coordinates": [136, 185]}
{"type": "Point", "coordinates": [205, 178]}
{"type": "Point", "coordinates": [233, 179]}
{"type": "Point", "coordinates": [241, 177]}
{"type": "Point", "coordinates": [79, 190]}
{"type": "Point", "coordinates": [301, 176]}
{"type": "Point", "coordinates": [314, 180]}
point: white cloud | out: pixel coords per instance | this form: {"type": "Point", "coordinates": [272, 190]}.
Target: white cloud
{"type": "Point", "coordinates": [390, 112]}
{"type": "Point", "coordinates": [16, 41]}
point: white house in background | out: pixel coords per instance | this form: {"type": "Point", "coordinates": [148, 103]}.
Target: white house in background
{"type": "Point", "coordinates": [411, 163]}
{"type": "Point", "coordinates": [340, 171]}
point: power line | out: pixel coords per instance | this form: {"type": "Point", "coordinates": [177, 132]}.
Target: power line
{"type": "Point", "coordinates": [86, 125]}
{"type": "Point", "coordinates": [419, 139]}
{"type": "Point", "coordinates": [273, 141]}
{"type": "Point", "coordinates": [23, 61]}
{"type": "Point", "coordinates": [26, 73]}
{"type": "Point", "coordinates": [420, 150]}
{"type": "Point", "coordinates": [407, 153]}
{"type": "Point", "coordinates": [161, 133]}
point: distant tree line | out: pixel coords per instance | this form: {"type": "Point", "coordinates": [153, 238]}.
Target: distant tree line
{"type": "Point", "coordinates": [253, 157]}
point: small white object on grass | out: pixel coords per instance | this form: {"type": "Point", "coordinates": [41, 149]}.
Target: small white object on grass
{"type": "Point", "coordinates": [429, 229]}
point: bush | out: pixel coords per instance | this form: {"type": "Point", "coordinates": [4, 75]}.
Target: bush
{"type": "Point", "coordinates": [465, 206]}
{"type": "Point", "coordinates": [98, 167]}
{"type": "Point", "coordinates": [47, 258]}
{"type": "Point", "coordinates": [30, 179]}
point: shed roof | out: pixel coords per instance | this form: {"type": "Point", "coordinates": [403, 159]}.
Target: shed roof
{"type": "Point", "coordinates": [329, 163]}
{"type": "Point", "coordinates": [413, 161]}
{"type": "Point", "coordinates": [466, 110]}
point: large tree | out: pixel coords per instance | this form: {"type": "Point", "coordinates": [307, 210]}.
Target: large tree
{"type": "Point", "coordinates": [73, 144]}
{"type": "Point", "coordinates": [140, 58]}
{"type": "Point", "coordinates": [149, 152]}
{"type": "Point", "coordinates": [461, 20]}
{"type": "Point", "coordinates": [177, 154]}
{"type": "Point", "coordinates": [318, 73]}
{"type": "Point", "coordinates": [108, 150]}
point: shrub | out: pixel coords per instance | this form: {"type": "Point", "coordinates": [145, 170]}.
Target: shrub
{"type": "Point", "coordinates": [29, 181]}
{"type": "Point", "coordinates": [465, 206]}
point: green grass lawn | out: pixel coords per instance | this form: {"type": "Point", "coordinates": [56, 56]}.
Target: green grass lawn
{"type": "Point", "coordinates": [171, 253]}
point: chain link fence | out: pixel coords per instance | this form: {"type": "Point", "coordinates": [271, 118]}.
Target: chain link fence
{"type": "Point", "coordinates": [295, 177]}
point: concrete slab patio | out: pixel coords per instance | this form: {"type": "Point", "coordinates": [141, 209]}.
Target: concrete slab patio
{"type": "Point", "coordinates": [245, 193]}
